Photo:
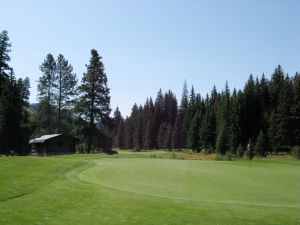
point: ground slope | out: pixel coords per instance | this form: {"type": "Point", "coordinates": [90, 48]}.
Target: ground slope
{"type": "Point", "coordinates": [96, 190]}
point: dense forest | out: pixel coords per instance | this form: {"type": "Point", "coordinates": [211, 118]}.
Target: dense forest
{"type": "Point", "coordinates": [262, 117]}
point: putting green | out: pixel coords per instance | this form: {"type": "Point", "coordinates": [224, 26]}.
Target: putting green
{"type": "Point", "coordinates": [201, 181]}
{"type": "Point", "coordinates": [94, 189]}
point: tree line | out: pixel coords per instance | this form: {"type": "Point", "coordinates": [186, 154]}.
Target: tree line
{"type": "Point", "coordinates": [262, 117]}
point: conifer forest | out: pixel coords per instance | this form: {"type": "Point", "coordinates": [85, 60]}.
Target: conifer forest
{"type": "Point", "coordinates": [261, 118]}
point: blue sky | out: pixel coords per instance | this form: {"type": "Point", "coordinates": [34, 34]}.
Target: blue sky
{"type": "Point", "coordinates": [147, 45]}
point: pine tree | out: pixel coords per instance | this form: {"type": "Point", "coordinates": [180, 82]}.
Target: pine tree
{"type": "Point", "coordinates": [128, 130]}
{"type": "Point", "coordinates": [194, 133]}
{"type": "Point", "coordinates": [14, 96]}
{"type": "Point", "coordinates": [116, 125]}
{"type": "Point", "coordinates": [260, 148]}
{"type": "Point", "coordinates": [223, 121]}
{"type": "Point", "coordinates": [46, 95]}
{"type": "Point", "coordinates": [295, 111]}
{"type": "Point", "coordinates": [4, 86]}
{"type": "Point", "coordinates": [11, 117]}
{"type": "Point", "coordinates": [120, 138]}
{"type": "Point", "coordinates": [158, 116]}
{"type": "Point", "coordinates": [162, 135]}
{"type": "Point", "coordinates": [66, 84]}
{"type": "Point", "coordinates": [222, 144]}
{"type": "Point", "coordinates": [94, 100]}
{"type": "Point", "coordinates": [234, 128]}
{"type": "Point", "coordinates": [178, 139]}
{"type": "Point", "coordinates": [250, 111]}
{"type": "Point", "coordinates": [167, 137]}
{"type": "Point", "coordinates": [5, 46]}
{"type": "Point", "coordinates": [184, 111]}
{"type": "Point", "coordinates": [149, 137]}
{"type": "Point", "coordinates": [283, 114]}
{"type": "Point", "coordinates": [204, 134]}
{"type": "Point", "coordinates": [240, 151]}
{"type": "Point", "coordinates": [138, 132]}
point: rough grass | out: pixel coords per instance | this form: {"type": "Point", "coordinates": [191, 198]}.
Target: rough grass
{"type": "Point", "coordinates": [138, 188]}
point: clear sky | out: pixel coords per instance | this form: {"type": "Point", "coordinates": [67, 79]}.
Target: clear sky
{"type": "Point", "coordinates": [147, 45]}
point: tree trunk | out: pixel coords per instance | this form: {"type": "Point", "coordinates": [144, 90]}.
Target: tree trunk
{"type": "Point", "coordinates": [91, 125]}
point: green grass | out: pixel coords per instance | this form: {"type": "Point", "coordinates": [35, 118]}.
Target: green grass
{"type": "Point", "coordinates": [138, 188]}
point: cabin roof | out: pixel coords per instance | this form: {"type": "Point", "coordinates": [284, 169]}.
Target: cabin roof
{"type": "Point", "coordinates": [43, 138]}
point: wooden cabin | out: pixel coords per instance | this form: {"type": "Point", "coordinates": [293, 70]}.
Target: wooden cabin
{"type": "Point", "coordinates": [53, 144]}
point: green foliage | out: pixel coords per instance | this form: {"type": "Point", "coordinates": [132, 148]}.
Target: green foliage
{"type": "Point", "coordinates": [222, 141]}
{"type": "Point", "coordinates": [66, 84]}
{"type": "Point", "coordinates": [94, 102]}
{"type": "Point", "coordinates": [261, 146]}
{"type": "Point", "coordinates": [296, 152]}
{"type": "Point", "coordinates": [228, 156]}
{"type": "Point", "coordinates": [240, 151]}
{"type": "Point", "coordinates": [81, 148]}
{"type": "Point", "coordinates": [14, 94]}
{"type": "Point", "coordinates": [4, 52]}
{"type": "Point", "coordinates": [194, 133]}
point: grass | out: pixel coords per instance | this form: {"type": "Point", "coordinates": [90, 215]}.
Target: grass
{"type": "Point", "coordinates": [140, 188]}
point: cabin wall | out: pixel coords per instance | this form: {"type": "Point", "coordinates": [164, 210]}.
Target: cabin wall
{"type": "Point", "coordinates": [60, 145]}
{"type": "Point", "coordinates": [56, 145]}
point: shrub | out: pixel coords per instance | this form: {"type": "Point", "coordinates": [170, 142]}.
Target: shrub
{"type": "Point", "coordinates": [296, 152]}
{"type": "Point", "coordinates": [153, 156]}
{"type": "Point", "coordinates": [81, 148]}
{"type": "Point", "coordinates": [173, 155]}
{"type": "Point", "coordinates": [228, 156]}
{"type": "Point", "coordinates": [240, 151]}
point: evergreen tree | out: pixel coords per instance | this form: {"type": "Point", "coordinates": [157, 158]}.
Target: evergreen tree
{"type": "Point", "coordinates": [119, 138]}
{"type": "Point", "coordinates": [158, 116]}
{"type": "Point", "coordinates": [194, 133]}
{"type": "Point", "coordinates": [161, 135]}
{"type": "Point", "coordinates": [178, 139]}
{"type": "Point", "coordinates": [260, 148]}
{"type": "Point", "coordinates": [234, 129]}
{"type": "Point", "coordinates": [117, 117]}
{"type": "Point", "coordinates": [283, 114]}
{"type": "Point", "coordinates": [184, 105]}
{"type": "Point", "coordinates": [250, 107]}
{"type": "Point", "coordinates": [5, 46]}
{"type": "Point", "coordinates": [14, 96]}
{"type": "Point", "coordinates": [66, 84]}
{"type": "Point", "coordinates": [138, 132]}
{"type": "Point", "coordinates": [11, 117]}
{"type": "Point", "coordinates": [222, 139]}
{"type": "Point", "coordinates": [94, 100]}
{"type": "Point", "coordinates": [149, 125]}
{"type": "Point", "coordinates": [240, 151]}
{"type": "Point", "coordinates": [128, 130]}
{"type": "Point", "coordinates": [295, 111]}
{"type": "Point", "coordinates": [167, 137]}
{"type": "Point", "coordinates": [46, 95]}
{"type": "Point", "coordinates": [222, 144]}
{"type": "Point", "coordinates": [170, 107]}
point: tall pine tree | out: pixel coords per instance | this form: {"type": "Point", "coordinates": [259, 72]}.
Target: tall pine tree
{"type": "Point", "coordinates": [94, 101]}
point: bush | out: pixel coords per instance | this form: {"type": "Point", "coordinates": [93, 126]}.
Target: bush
{"type": "Point", "coordinates": [240, 151]}
{"type": "Point", "coordinates": [173, 155]}
{"type": "Point", "coordinates": [296, 152]}
{"type": "Point", "coordinates": [81, 148]}
{"type": "Point", "coordinates": [153, 156]}
{"type": "Point", "coordinates": [228, 156]}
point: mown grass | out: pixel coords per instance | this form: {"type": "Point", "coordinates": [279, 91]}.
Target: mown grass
{"type": "Point", "coordinates": [140, 188]}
